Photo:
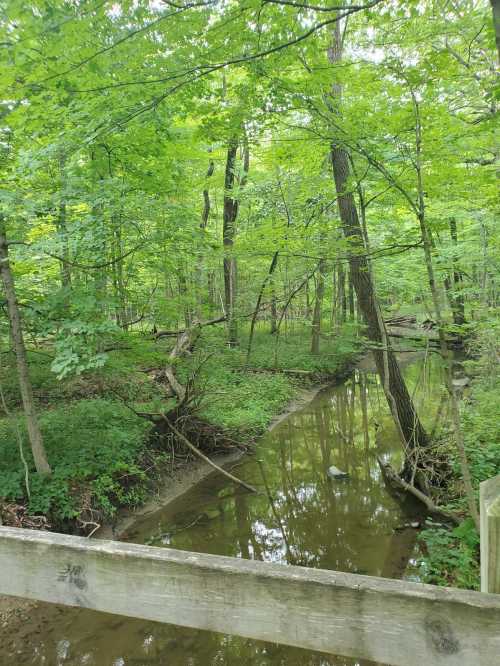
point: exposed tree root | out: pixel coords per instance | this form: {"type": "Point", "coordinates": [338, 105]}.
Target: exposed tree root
{"type": "Point", "coordinates": [395, 481]}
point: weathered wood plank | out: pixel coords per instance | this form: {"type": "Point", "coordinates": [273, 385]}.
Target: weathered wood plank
{"type": "Point", "coordinates": [394, 622]}
{"type": "Point", "coordinates": [490, 535]}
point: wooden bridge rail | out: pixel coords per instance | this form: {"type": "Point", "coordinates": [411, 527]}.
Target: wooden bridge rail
{"type": "Point", "coordinates": [490, 536]}
{"type": "Point", "coordinates": [389, 621]}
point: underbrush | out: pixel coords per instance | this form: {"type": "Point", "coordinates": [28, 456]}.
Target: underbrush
{"type": "Point", "coordinates": [96, 449]}
{"type": "Point", "coordinates": [451, 556]}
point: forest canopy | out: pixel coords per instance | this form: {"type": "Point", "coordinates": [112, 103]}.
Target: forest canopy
{"type": "Point", "coordinates": [278, 183]}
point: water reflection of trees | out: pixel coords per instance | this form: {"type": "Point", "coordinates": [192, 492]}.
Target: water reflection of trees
{"type": "Point", "coordinates": [301, 516]}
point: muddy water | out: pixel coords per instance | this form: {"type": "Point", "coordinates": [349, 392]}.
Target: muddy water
{"type": "Point", "coordinates": [301, 516]}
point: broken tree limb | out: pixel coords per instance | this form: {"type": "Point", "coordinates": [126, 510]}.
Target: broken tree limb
{"type": "Point", "coordinates": [394, 480]}
{"type": "Point", "coordinates": [185, 341]}
{"type": "Point", "coordinates": [205, 458]}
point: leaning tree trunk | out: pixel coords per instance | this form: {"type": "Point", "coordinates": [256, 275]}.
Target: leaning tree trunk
{"type": "Point", "coordinates": [398, 397]}
{"type": "Point", "coordinates": [34, 433]}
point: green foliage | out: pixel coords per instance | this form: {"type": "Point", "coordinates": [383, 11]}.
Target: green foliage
{"type": "Point", "coordinates": [77, 347]}
{"type": "Point", "coordinates": [481, 423]}
{"type": "Point", "coordinates": [452, 556]}
{"type": "Point", "coordinates": [94, 447]}
{"type": "Point", "coordinates": [246, 402]}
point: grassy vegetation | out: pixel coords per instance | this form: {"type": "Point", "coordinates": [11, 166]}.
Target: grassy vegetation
{"type": "Point", "coordinates": [100, 451]}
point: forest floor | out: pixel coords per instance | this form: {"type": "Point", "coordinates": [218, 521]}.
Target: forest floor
{"type": "Point", "coordinates": [106, 457]}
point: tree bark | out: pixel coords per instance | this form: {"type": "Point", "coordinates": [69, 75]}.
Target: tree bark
{"type": "Point", "coordinates": [318, 308]}
{"type": "Point", "coordinates": [34, 433]}
{"type": "Point", "coordinates": [341, 299]}
{"type": "Point", "coordinates": [203, 225]}
{"type": "Point", "coordinates": [228, 235]}
{"type": "Point", "coordinates": [458, 303]}
{"type": "Point", "coordinates": [398, 397]}
{"type": "Point", "coordinates": [272, 267]}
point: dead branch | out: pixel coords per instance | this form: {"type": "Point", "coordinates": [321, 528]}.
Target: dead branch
{"type": "Point", "coordinates": [395, 481]}
{"type": "Point", "coordinates": [200, 324]}
{"type": "Point", "coordinates": [205, 458]}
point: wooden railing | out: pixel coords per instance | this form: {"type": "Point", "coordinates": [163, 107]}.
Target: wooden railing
{"type": "Point", "coordinates": [490, 536]}
{"type": "Point", "coordinates": [388, 621]}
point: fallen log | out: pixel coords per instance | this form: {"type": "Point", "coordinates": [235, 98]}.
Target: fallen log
{"type": "Point", "coordinates": [200, 324]}
{"type": "Point", "coordinates": [395, 481]}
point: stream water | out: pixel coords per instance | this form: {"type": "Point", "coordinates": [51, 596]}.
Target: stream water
{"type": "Point", "coordinates": [300, 516]}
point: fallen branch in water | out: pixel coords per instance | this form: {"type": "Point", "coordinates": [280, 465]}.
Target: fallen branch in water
{"type": "Point", "coordinates": [396, 481]}
{"type": "Point", "coordinates": [205, 458]}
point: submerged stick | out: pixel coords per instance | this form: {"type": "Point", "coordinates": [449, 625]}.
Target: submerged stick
{"type": "Point", "coordinates": [201, 455]}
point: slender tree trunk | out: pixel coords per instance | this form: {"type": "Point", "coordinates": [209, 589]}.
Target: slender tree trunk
{"type": "Point", "coordinates": [341, 299]}
{"type": "Point", "coordinates": [62, 231]}
{"type": "Point", "coordinates": [454, 285]}
{"type": "Point", "coordinates": [184, 296]}
{"type": "Point", "coordinates": [352, 309]}
{"type": "Point", "coordinates": [318, 307]}
{"type": "Point", "coordinates": [398, 397]}
{"type": "Point", "coordinates": [308, 301]}
{"type": "Point", "coordinates": [495, 6]}
{"type": "Point", "coordinates": [118, 279]}
{"type": "Point", "coordinates": [203, 225]}
{"type": "Point", "coordinates": [212, 291]}
{"type": "Point", "coordinates": [34, 433]}
{"type": "Point", "coordinates": [274, 309]}
{"type": "Point", "coordinates": [228, 235]}
{"type": "Point", "coordinates": [255, 314]}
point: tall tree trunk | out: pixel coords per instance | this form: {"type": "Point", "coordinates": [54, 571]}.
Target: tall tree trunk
{"type": "Point", "coordinates": [228, 234]}
{"type": "Point", "coordinates": [230, 213]}
{"type": "Point", "coordinates": [34, 433]}
{"type": "Point", "coordinates": [62, 231]}
{"type": "Point", "coordinates": [352, 309]}
{"type": "Point", "coordinates": [398, 397]}
{"type": "Point", "coordinates": [274, 309]}
{"type": "Point", "coordinates": [318, 307]}
{"type": "Point", "coordinates": [341, 299]}
{"type": "Point", "coordinates": [454, 286]}
{"type": "Point", "coordinates": [118, 279]}
{"type": "Point", "coordinates": [203, 225]}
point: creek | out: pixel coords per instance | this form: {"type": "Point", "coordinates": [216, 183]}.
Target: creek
{"type": "Point", "coordinates": [300, 516]}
